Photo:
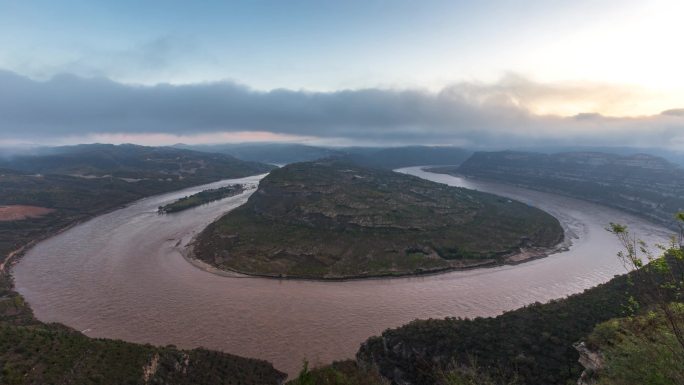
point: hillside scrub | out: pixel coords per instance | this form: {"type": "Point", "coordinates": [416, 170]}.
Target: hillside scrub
{"type": "Point", "coordinates": [332, 219]}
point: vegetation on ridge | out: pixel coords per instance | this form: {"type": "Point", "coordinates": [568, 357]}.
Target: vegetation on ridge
{"type": "Point", "coordinates": [75, 198]}
{"type": "Point", "coordinates": [53, 354]}
{"type": "Point", "coordinates": [644, 185]}
{"type": "Point", "coordinates": [639, 350]}
{"type": "Point", "coordinates": [535, 344]}
{"type": "Point", "coordinates": [134, 163]}
{"type": "Point", "coordinates": [330, 219]}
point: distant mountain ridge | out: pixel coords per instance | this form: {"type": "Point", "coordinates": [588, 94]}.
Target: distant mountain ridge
{"type": "Point", "coordinates": [676, 157]}
{"type": "Point", "coordinates": [398, 157]}
{"type": "Point", "coordinates": [134, 162]}
{"type": "Point", "coordinates": [641, 184]}
{"type": "Point", "coordinates": [376, 157]}
{"type": "Point", "coordinates": [273, 153]}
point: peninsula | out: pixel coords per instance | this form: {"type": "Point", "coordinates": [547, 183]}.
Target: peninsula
{"type": "Point", "coordinates": [333, 220]}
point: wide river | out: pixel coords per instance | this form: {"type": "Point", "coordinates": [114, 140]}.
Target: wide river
{"type": "Point", "coordinates": [121, 275]}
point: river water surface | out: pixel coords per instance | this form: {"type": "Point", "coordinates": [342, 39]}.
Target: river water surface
{"type": "Point", "coordinates": [121, 275]}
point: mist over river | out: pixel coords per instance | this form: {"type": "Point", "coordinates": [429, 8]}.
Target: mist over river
{"type": "Point", "coordinates": [121, 275]}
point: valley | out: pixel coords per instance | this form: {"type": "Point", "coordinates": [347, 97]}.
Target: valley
{"type": "Point", "coordinates": [341, 193]}
{"type": "Point", "coordinates": [141, 289]}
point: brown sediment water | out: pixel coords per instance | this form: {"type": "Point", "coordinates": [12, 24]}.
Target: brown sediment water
{"type": "Point", "coordinates": [121, 275]}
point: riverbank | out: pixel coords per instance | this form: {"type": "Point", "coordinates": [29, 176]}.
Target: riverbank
{"type": "Point", "coordinates": [525, 255]}
{"type": "Point", "coordinates": [639, 184]}
{"type": "Point", "coordinates": [13, 256]}
{"type": "Point", "coordinates": [124, 278]}
{"type": "Point", "coordinates": [332, 220]}
{"type": "Point", "coordinates": [75, 357]}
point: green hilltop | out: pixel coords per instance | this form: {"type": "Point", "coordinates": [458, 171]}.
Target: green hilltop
{"type": "Point", "coordinates": [332, 219]}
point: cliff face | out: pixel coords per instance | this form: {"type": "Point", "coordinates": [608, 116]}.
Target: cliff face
{"type": "Point", "coordinates": [592, 361]}
{"type": "Point", "coordinates": [641, 184]}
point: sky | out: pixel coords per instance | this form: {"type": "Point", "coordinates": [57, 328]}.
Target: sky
{"type": "Point", "coordinates": [343, 72]}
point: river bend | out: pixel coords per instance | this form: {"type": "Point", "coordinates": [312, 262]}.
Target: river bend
{"type": "Point", "coordinates": [121, 275]}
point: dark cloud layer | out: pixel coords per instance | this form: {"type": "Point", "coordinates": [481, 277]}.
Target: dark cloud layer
{"type": "Point", "coordinates": [464, 113]}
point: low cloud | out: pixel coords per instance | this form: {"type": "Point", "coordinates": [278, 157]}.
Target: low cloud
{"type": "Point", "coordinates": [674, 112]}
{"type": "Point", "coordinates": [499, 114]}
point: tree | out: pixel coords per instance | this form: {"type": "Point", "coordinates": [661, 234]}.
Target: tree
{"type": "Point", "coordinates": [659, 280]}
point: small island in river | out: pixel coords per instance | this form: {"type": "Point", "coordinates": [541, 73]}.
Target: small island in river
{"type": "Point", "coordinates": [335, 220]}
{"type": "Point", "coordinates": [201, 198]}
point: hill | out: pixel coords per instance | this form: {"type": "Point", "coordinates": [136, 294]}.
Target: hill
{"type": "Point", "coordinates": [674, 156]}
{"type": "Point", "coordinates": [78, 182]}
{"type": "Point", "coordinates": [640, 184]}
{"type": "Point", "coordinates": [134, 163]}
{"type": "Point", "coordinates": [274, 153]}
{"type": "Point", "coordinates": [528, 346]}
{"type": "Point", "coordinates": [375, 157]}
{"type": "Point", "coordinates": [54, 354]}
{"type": "Point", "coordinates": [638, 349]}
{"type": "Point", "coordinates": [397, 157]}
{"type": "Point", "coordinates": [331, 219]}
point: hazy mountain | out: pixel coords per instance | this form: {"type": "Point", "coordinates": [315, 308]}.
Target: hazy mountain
{"type": "Point", "coordinates": [273, 153]}
{"type": "Point", "coordinates": [676, 157]}
{"type": "Point", "coordinates": [377, 157]}
{"type": "Point", "coordinates": [397, 157]}
{"type": "Point", "coordinates": [641, 184]}
{"type": "Point", "coordinates": [133, 161]}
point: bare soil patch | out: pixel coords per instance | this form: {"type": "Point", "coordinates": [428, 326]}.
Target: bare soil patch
{"type": "Point", "coordinates": [19, 212]}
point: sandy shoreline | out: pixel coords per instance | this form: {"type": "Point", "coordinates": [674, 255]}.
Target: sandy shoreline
{"type": "Point", "coordinates": [516, 258]}
{"type": "Point", "coordinates": [524, 254]}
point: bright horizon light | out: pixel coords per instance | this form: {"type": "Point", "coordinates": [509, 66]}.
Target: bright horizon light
{"type": "Point", "coordinates": [546, 60]}
{"type": "Point", "coordinates": [430, 45]}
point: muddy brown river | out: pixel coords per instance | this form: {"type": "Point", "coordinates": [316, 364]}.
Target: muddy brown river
{"type": "Point", "coordinates": [121, 275]}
